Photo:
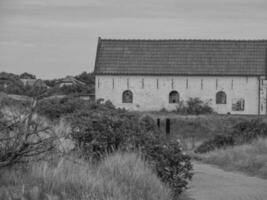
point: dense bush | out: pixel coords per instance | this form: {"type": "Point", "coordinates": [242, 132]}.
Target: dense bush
{"type": "Point", "coordinates": [58, 107]}
{"type": "Point", "coordinates": [241, 133]}
{"type": "Point", "coordinates": [194, 106]}
{"type": "Point", "coordinates": [171, 164]}
{"type": "Point", "coordinates": [217, 142]}
{"type": "Point", "coordinates": [102, 129]}
{"type": "Point", "coordinates": [247, 131]}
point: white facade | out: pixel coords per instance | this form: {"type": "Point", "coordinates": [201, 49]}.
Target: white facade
{"type": "Point", "coordinates": [151, 93]}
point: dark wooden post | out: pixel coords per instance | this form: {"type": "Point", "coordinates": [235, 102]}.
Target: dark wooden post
{"type": "Point", "coordinates": [168, 126]}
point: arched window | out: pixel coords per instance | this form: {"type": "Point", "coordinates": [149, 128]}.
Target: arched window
{"type": "Point", "coordinates": [174, 97]}
{"type": "Point", "coordinates": [221, 98]}
{"type": "Point", "coordinates": [127, 97]}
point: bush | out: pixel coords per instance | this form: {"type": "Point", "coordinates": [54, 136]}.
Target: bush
{"type": "Point", "coordinates": [102, 129]}
{"type": "Point", "coordinates": [58, 107]}
{"type": "Point", "coordinates": [219, 141]}
{"type": "Point", "coordinates": [249, 130]}
{"type": "Point", "coordinates": [194, 106]}
{"type": "Point", "coordinates": [241, 133]}
{"type": "Point", "coordinates": [171, 164]}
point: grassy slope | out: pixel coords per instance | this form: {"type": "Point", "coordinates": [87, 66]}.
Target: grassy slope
{"type": "Point", "coordinates": [248, 158]}
{"type": "Point", "coordinates": [193, 130]}
{"type": "Point", "coordinates": [118, 177]}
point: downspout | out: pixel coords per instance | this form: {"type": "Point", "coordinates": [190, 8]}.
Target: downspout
{"type": "Point", "coordinates": [266, 76]}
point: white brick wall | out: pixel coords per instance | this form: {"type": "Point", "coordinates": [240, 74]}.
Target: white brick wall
{"type": "Point", "coordinates": [152, 98]}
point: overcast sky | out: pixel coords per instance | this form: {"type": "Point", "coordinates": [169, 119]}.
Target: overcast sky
{"type": "Point", "coordinates": [55, 38]}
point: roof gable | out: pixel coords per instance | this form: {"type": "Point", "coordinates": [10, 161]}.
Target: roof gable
{"type": "Point", "coordinates": [181, 57]}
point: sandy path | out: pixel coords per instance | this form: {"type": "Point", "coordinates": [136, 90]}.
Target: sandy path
{"type": "Point", "coordinates": [211, 183]}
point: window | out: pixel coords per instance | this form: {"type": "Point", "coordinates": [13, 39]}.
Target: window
{"type": "Point", "coordinates": [221, 98]}
{"type": "Point", "coordinates": [174, 97]}
{"type": "Point", "coordinates": [127, 97]}
{"type": "Point", "coordinates": [238, 104]}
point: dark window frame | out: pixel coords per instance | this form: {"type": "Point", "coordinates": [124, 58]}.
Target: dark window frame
{"type": "Point", "coordinates": [221, 97]}
{"type": "Point", "coordinates": [174, 97]}
{"type": "Point", "coordinates": [127, 96]}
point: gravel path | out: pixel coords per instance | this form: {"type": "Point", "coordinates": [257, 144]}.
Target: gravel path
{"type": "Point", "coordinates": [212, 183]}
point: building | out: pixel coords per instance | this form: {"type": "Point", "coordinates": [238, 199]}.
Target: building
{"type": "Point", "coordinates": [69, 81]}
{"type": "Point", "coordinates": [150, 75]}
{"type": "Point", "coordinates": [34, 83]}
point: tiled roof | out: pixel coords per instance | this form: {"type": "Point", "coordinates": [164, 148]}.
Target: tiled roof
{"type": "Point", "coordinates": [181, 57]}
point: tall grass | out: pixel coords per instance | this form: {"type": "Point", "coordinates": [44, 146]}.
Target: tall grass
{"type": "Point", "coordinates": [119, 177]}
{"type": "Point", "coordinates": [249, 158]}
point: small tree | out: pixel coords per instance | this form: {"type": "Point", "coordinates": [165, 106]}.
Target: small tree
{"type": "Point", "coordinates": [21, 139]}
{"type": "Point", "coordinates": [194, 106]}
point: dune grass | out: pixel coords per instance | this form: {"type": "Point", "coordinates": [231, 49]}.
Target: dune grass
{"type": "Point", "coordinates": [122, 176]}
{"type": "Point", "coordinates": [249, 158]}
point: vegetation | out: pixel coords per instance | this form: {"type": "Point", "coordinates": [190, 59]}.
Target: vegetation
{"type": "Point", "coordinates": [20, 139]}
{"type": "Point", "coordinates": [120, 176]}
{"type": "Point", "coordinates": [250, 158]}
{"type": "Point", "coordinates": [57, 107]}
{"type": "Point", "coordinates": [219, 141]}
{"type": "Point", "coordinates": [101, 129]}
{"type": "Point", "coordinates": [98, 129]}
{"type": "Point", "coordinates": [242, 148]}
{"type": "Point", "coordinates": [241, 133]}
{"type": "Point", "coordinates": [12, 84]}
{"type": "Point", "coordinates": [26, 75]}
{"type": "Point", "coordinates": [194, 106]}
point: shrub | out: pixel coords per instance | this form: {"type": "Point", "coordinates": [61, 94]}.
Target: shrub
{"type": "Point", "coordinates": [194, 106]}
{"type": "Point", "coordinates": [171, 164]}
{"type": "Point", "coordinates": [101, 130]}
{"type": "Point", "coordinates": [217, 142]}
{"type": "Point", "coordinates": [249, 130]}
{"type": "Point", "coordinates": [57, 107]}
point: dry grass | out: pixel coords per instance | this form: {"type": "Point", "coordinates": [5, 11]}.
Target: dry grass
{"type": "Point", "coordinates": [193, 130]}
{"type": "Point", "coordinates": [119, 177]}
{"type": "Point", "coordinates": [248, 158]}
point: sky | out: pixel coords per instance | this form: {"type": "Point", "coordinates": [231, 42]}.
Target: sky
{"type": "Point", "coordinates": [55, 38]}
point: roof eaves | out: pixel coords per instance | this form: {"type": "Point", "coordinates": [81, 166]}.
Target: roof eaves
{"type": "Point", "coordinates": [177, 74]}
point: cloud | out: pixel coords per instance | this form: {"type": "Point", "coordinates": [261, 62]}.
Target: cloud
{"type": "Point", "coordinates": [52, 38]}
